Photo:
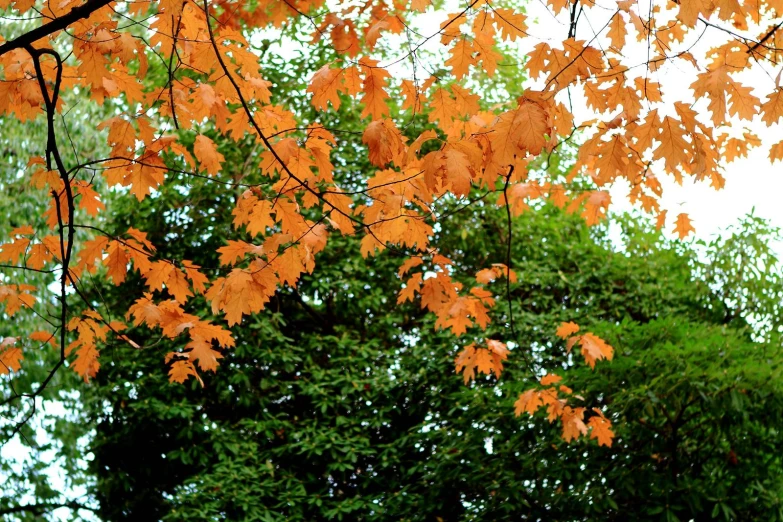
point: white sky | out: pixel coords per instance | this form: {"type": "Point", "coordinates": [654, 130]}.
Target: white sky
{"type": "Point", "coordinates": [750, 182]}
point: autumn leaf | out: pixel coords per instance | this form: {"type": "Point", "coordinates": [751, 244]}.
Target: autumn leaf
{"type": "Point", "coordinates": [566, 330]}
{"type": "Point", "coordinates": [528, 402]}
{"type": "Point", "coordinates": [683, 225]}
{"type": "Point", "coordinates": [600, 429]}
{"type": "Point", "coordinates": [207, 154]}
{"type": "Point", "coordinates": [116, 262]}
{"type": "Point", "coordinates": [461, 58]}
{"type": "Point", "coordinates": [776, 151]}
{"type": "Point", "coordinates": [43, 337]}
{"type": "Point", "coordinates": [180, 371]}
{"type": "Point", "coordinates": [374, 85]}
{"type": "Point", "coordinates": [594, 348]}
{"type": "Point", "coordinates": [10, 356]}
{"type": "Point", "coordinates": [385, 142]}
{"type": "Point", "coordinates": [16, 297]}
{"type": "Point", "coordinates": [89, 200]}
{"type": "Point", "coordinates": [325, 86]}
{"type": "Point", "coordinates": [573, 424]}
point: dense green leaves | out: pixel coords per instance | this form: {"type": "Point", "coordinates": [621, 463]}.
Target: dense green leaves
{"type": "Point", "coordinates": [338, 404]}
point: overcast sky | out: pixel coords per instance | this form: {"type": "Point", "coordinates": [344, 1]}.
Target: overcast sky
{"type": "Point", "coordinates": [750, 182]}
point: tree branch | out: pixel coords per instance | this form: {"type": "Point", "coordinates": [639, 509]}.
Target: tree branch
{"type": "Point", "coordinates": [38, 509]}
{"type": "Point", "coordinates": [58, 24]}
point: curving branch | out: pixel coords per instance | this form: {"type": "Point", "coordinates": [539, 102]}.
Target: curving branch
{"type": "Point", "coordinates": [58, 24]}
{"type": "Point", "coordinates": [44, 507]}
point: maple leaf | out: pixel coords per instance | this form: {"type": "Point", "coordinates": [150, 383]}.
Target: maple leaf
{"type": "Point", "coordinates": [412, 286]}
{"type": "Point", "coordinates": [523, 130]}
{"type": "Point", "coordinates": [197, 279]}
{"type": "Point", "coordinates": [177, 285]}
{"type": "Point", "coordinates": [145, 176]}
{"type": "Point", "coordinates": [89, 200]}
{"type": "Point", "coordinates": [10, 252]}
{"type": "Point", "coordinates": [10, 356]}
{"type": "Point", "coordinates": [202, 352]}
{"type": "Point", "coordinates": [39, 256]}
{"type": "Point", "coordinates": [325, 86]}
{"type": "Point", "coordinates": [596, 206]}
{"type": "Point", "coordinates": [466, 363]}
{"type": "Point", "coordinates": [234, 251]}
{"type": "Point", "coordinates": [181, 370]}
{"type": "Point", "coordinates": [772, 109]}
{"type": "Point", "coordinates": [550, 378]}
{"type": "Point", "coordinates": [486, 275]}
{"type": "Point", "coordinates": [529, 402]}
{"type": "Point", "coordinates": [207, 154]}
{"type": "Point", "coordinates": [566, 330]}
{"type": "Point", "coordinates": [375, 96]}
{"type": "Point", "coordinates": [86, 363]}
{"type": "Point", "coordinates": [776, 151]}
{"type": "Point", "coordinates": [617, 30]}
{"type": "Point", "coordinates": [43, 337]}
{"type": "Point", "coordinates": [385, 142]}
{"type": "Point", "coordinates": [673, 148]}
{"type": "Point", "coordinates": [15, 297]}
{"type": "Point", "coordinates": [595, 348]}
{"type": "Point", "coordinates": [511, 24]}
{"type": "Point", "coordinates": [600, 428]}
{"type": "Point", "coordinates": [116, 262]}
{"type": "Point", "coordinates": [683, 225]}
{"type": "Point", "coordinates": [409, 263]}
{"type": "Point", "coordinates": [573, 424]}
{"type": "Point", "coordinates": [461, 58]}
{"type": "Point", "coordinates": [518, 195]}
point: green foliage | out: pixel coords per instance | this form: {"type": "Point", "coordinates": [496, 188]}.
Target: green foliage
{"type": "Point", "coordinates": [339, 404]}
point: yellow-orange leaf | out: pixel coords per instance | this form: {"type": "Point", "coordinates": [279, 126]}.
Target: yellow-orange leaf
{"type": "Point", "coordinates": [776, 151]}
{"type": "Point", "coordinates": [566, 330]}
{"type": "Point", "coordinates": [601, 429]}
{"type": "Point", "coordinates": [594, 348]}
{"type": "Point", "coordinates": [10, 356]}
{"type": "Point", "coordinates": [207, 154]}
{"type": "Point", "coordinates": [374, 84]}
{"type": "Point", "coordinates": [683, 225]}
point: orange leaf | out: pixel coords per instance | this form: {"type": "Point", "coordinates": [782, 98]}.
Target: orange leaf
{"type": "Point", "coordinates": [601, 429]}
{"type": "Point", "coordinates": [529, 402]}
{"type": "Point", "coordinates": [595, 348]}
{"type": "Point", "coordinates": [461, 58]}
{"type": "Point", "coordinates": [207, 154]}
{"type": "Point", "coordinates": [683, 225]}
{"type": "Point", "coordinates": [566, 330]}
{"type": "Point", "coordinates": [10, 356]}
{"type": "Point", "coordinates": [550, 378]}
{"type": "Point", "coordinates": [375, 96]}
{"type": "Point", "coordinates": [776, 151]}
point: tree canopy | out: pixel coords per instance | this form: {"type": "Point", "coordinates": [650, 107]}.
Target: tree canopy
{"type": "Point", "coordinates": [238, 143]}
{"type": "Point", "coordinates": [337, 405]}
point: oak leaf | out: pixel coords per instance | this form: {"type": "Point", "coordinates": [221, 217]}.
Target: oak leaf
{"type": "Point", "coordinates": [683, 225]}
{"type": "Point", "coordinates": [10, 356]}
{"type": "Point", "coordinates": [600, 428]}
{"type": "Point", "coordinates": [207, 154]}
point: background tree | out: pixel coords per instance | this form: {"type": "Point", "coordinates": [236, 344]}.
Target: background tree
{"type": "Point", "coordinates": [337, 407]}
{"type": "Point", "coordinates": [213, 82]}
